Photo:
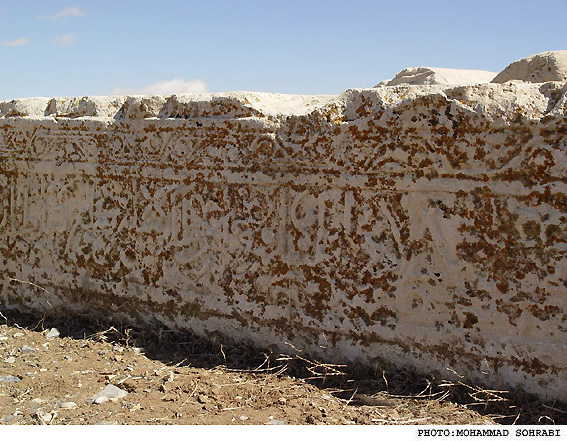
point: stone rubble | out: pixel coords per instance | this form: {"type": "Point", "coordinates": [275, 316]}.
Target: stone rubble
{"type": "Point", "coordinates": [110, 392]}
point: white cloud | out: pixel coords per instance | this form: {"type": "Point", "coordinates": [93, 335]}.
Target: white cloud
{"type": "Point", "coordinates": [65, 12]}
{"type": "Point", "coordinates": [65, 40]}
{"type": "Point", "coordinates": [14, 43]}
{"type": "Point", "coordinates": [177, 85]}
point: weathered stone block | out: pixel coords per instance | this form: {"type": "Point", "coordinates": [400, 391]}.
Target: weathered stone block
{"type": "Point", "coordinates": [423, 225]}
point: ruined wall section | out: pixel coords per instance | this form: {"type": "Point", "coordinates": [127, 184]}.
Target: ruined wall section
{"type": "Point", "coordinates": [421, 225]}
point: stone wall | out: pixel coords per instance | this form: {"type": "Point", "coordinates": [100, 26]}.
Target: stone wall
{"type": "Point", "coordinates": [421, 225]}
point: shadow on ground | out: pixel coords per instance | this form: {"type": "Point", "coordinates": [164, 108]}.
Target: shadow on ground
{"type": "Point", "coordinates": [358, 385]}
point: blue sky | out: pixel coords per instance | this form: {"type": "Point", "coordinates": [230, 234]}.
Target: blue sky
{"type": "Point", "coordinates": [98, 47]}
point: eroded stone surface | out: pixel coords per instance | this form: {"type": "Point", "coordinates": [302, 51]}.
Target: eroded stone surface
{"type": "Point", "coordinates": [539, 68]}
{"type": "Point", "coordinates": [423, 225]}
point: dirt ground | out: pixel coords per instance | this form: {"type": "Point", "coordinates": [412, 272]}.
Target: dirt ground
{"type": "Point", "coordinates": [168, 377]}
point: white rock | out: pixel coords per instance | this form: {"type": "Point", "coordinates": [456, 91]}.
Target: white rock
{"type": "Point", "coordinates": [439, 75]}
{"type": "Point", "coordinates": [10, 360]}
{"type": "Point", "coordinates": [54, 332]}
{"type": "Point", "coordinates": [539, 68]}
{"type": "Point", "coordinates": [67, 405]}
{"type": "Point", "coordinates": [109, 392]}
{"type": "Point", "coordinates": [27, 349]}
{"type": "Point", "coordinates": [100, 400]}
{"type": "Point", "coordinates": [9, 379]}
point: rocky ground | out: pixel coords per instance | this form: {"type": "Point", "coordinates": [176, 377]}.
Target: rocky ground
{"type": "Point", "coordinates": [75, 371]}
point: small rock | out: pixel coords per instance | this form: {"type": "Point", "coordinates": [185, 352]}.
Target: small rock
{"type": "Point", "coordinates": [3, 337]}
{"type": "Point", "coordinates": [67, 405]}
{"type": "Point", "coordinates": [44, 418]}
{"type": "Point", "coordinates": [202, 399]}
{"type": "Point", "coordinates": [282, 400]}
{"type": "Point", "coordinates": [9, 379]}
{"type": "Point", "coordinates": [52, 333]}
{"type": "Point", "coordinates": [18, 334]}
{"type": "Point", "coordinates": [109, 392]}
{"type": "Point", "coordinates": [243, 418]}
{"type": "Point", "coordinates": [10, 360]}
{"type": "Point", "coordinates": [7, 419]}
{"type": "Point", "coordinates": [27, 349]}
{"type": "Point", "coordinates": [100, 400]}
{"type": "Point", "coordinates": [102, 352]}
{"type": "Point", "coordinates": [274, 422]}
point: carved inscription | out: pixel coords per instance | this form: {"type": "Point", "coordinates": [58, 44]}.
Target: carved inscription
{"type": "Point", "coordinates": [414, 224]}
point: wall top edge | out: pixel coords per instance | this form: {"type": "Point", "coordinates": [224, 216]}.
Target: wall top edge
{"type": "Point", "coordinates": [531, 100]}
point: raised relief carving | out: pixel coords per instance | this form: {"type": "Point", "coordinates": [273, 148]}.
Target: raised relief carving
{"type": "Point", "coordinates": [5, 202]}
{"type": "Point", "coordinates": [62, 146]}
{"type": "Point", "coordinates": [407, 221]}
{"type": "Point", "coordinates": [429, 269]}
